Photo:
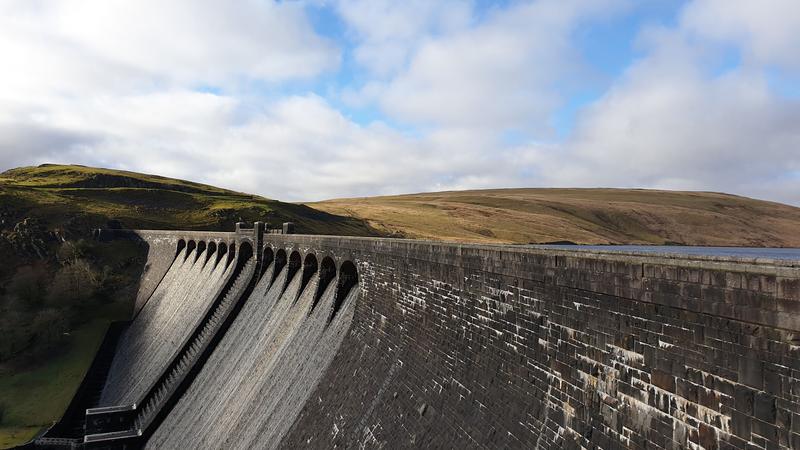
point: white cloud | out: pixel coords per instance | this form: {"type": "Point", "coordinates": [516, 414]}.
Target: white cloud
{"type": "Point", "coordinates": [116, 85]}
{"type": "Point", "coordinates": [306, 150]}
{"type": "Point", "coordinates": [505, 72]}
{"type": "Point", "coordinates": [766, 30]}
{"type": "Point", "coordinates": [670, 122]}
{"type": "Point", "coordinates": [297, 148]}
{"type": "Point", "coordinates": [98, 46]}
{"type": "Point", "coordinates": [388, 31]}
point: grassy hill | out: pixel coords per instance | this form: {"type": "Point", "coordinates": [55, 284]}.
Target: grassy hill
{"type": "Point", "coordinates": [77, 197]}
{"type": "Point", "coordinates": [585, 216]}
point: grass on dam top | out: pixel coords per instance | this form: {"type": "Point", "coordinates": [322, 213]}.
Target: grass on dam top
{"type": "Point", "coordinates": [583, 216]}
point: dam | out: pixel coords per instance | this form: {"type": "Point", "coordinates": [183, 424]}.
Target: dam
{"type": "Point", "coordinates": [264, 339]}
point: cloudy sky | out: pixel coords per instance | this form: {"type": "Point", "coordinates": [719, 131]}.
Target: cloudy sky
{"type": "Point", "coordinates": [307, 100]}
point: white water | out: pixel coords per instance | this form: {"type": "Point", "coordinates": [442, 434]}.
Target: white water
{"type": "Point", "coordinates": [262, 373]}
{"type": "Point", "coordinates": [155, 335]}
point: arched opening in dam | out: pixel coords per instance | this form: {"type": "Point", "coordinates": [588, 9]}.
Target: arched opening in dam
{"type": "Point", "coordinates": [268, 257]}
{"type": "Point", "coordinates": [190, 246]}
{"type": "Point", "coordinates": [201, 248]}
{"type": "Point", "coordinates": [294, 265]}
{"type": "Point", "coordinates": [348, 278]}
{"type": "Point", "coordinates": [180, 247]}
{"type": "Point", "coordinates": [280, 263]}
{"type": "Point", "coordinates": [309, 269]}
{"type": "Point", "coordinates": [212, 251]}
{"type": "Point", "coordinates": [222, 251]}
{"type": "Point", "coordinates": [327, 272]}
{"type": "Point", "coordinates": [231, 254]}
{"type": "Point", "coordinates": [245, 252]}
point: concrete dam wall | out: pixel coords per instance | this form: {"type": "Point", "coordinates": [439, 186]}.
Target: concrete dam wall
{"type": "Point", "coordinates": [253, 340]}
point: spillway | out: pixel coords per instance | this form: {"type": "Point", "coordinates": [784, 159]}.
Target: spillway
{"type": "Point", "coordinates": [171, 313]}
{"type": "Point", "coordinates": [269, 362]}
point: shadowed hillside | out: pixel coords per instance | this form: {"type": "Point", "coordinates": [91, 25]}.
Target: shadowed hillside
{"type": "Point", "coordinates": [585, 216]}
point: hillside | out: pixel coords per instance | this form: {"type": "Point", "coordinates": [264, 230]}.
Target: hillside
{"type": "Point", "coordinates": [585, 216]}
{"type": "Point", "coordinates": [77, 197]}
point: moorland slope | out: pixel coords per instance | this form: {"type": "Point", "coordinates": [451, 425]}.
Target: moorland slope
{"type": "Point", "coordinates": [76, 197]}
{"type": "Point", "coordinates": [583, 216]}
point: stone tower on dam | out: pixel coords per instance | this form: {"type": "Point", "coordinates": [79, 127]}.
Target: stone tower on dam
{"type": "Point", "coordinates": [256, 339]}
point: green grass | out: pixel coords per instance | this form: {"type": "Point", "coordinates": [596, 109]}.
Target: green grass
{"type": "Point", "coordinates": [14, 436]}
{"type": "Point", "coordinates": [60, 176]}
{"type": "Point", "coordinates": [81, 197]}
{"type": "Point", "coordinates": [36, 397]}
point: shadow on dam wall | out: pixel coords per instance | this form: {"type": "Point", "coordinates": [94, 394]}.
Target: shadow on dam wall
{"type": "Point", "coordinates": [362, 342]}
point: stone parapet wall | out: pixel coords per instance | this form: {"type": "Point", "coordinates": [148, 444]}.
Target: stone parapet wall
{"type": "Point", "coordinates": [486, 346]}
{"type": "Point", "coordinates": [491, 346]}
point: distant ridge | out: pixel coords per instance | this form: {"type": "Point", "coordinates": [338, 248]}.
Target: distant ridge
{"type": "Point", "coordinates": [79, 197]}
{"type": "Point", "coordinates": [582, 216]}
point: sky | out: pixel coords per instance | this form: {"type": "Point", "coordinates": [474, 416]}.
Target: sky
{"type": "Point", "coordinates": [310, 100]}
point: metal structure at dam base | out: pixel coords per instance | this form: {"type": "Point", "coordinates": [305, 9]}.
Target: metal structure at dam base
{"type": "Point", "coordinates": [266, 339]}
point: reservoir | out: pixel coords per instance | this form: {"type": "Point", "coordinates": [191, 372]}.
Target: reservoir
{"type": "Point", "coordinates": [788, 254]}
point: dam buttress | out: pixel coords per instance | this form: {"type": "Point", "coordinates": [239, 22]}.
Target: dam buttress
{"type": "Point", "coordinates": [256, 339]}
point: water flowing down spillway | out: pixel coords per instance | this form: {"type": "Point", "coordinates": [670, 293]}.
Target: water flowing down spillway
{"type": "Point", "coordinates": [173, 311]}
{"type": "Point", "coordinates": [260, 376]}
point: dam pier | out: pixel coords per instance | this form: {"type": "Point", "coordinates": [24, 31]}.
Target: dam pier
{"type": "Point", "coordinates": [267, 339]}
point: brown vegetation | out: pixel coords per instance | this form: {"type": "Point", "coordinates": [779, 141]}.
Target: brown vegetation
{"type": "Point", "coordinates": [585, 216]}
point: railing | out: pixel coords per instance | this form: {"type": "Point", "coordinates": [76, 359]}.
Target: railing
{"type": "Point", "coordinates": [46, 442]}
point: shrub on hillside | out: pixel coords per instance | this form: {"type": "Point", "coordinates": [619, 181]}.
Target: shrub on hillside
{"type": "Point", "coordinates": [31, 334]}
{"type": "Point", "coordinates": [71, 251]}
{"type": "Point", "coordinates": [41, 300]}
{"type": "Point", "coordinates": [74, 284]}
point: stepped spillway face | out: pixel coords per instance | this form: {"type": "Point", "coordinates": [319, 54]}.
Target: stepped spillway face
{"type": "Point", "coordinates": [269, 363]}
{"type": "Point", "coordinates": [381, 343]}
{"type": "Point", "coordinates": [175, 308]}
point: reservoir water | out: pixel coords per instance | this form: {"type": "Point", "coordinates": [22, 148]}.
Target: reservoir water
{"type": "Point", "coordinates": [789, 254]}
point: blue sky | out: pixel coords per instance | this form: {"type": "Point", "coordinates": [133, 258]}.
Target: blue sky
{"type": "Point", "coordinates": [307, 100]}
{"type": "Point", "coordinates": [608, 46]}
